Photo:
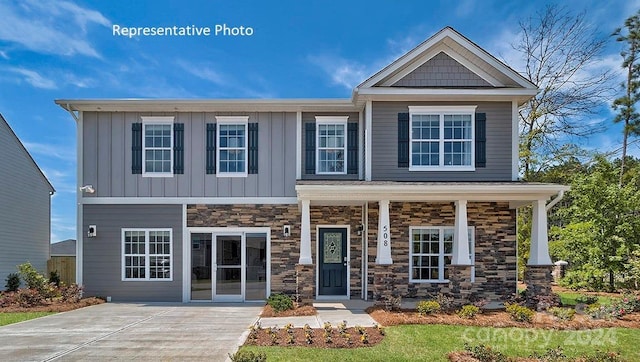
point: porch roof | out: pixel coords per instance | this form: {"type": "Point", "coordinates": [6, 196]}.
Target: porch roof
{"type": "Point", "coordinates": [518, 193]}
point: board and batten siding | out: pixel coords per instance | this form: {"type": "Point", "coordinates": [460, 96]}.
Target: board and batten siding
{"type": "Point", "coordinates": [25, 204]}
{"type": "Point", "coordinates": [384, 157]}
{"type": "Point", "coordinates": [107, 157]}
{"type": "Point", "coordinates": [310, 117]}
{"type": "Point", "coordinates": [102, 255]}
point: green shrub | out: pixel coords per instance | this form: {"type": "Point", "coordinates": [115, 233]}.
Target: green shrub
{"type": "Point", "coordinates": [468, 311]}
{"type": "Point", "coordinates": [54, 278]}
{"type": "Point", "coordinates": [564, 314]}
{"type": "Point", "coordinates": [13, 282]}
{"type": "Point", "coordinates": [28, 298]}
{"type": "Point", "coordinates": [280, 302]}
{"type": "Point", "coordinates": [485, 353]}
{"type": "Point", "coordinates": [247, 356]}
{"type": "Point", "coordinates": [425, 307]}
{"type": "Point", "coordinates": [32, 278]}
{"type": "Point", "coordinates": [550, 355]}
{"type": "Point", "coordinates": [601, 356]}
{"type": "Point", "coordinates": [71, 293]}
{"type": "Point", "coordinates": [520, 313]}
{"type": "Point", "coordinates": [586, 299]}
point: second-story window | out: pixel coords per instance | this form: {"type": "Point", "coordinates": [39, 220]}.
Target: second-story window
{"type": "Point", "coordinates": [232, 146]}
{"type": "Point", "coordinates": [331, 157]}
{"type": "Point", "coordinates": [157, 144]}
{"type": "Point", "coordinates": [441, 138]}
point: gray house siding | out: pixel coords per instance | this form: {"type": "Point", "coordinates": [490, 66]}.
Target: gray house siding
{"type": "Point", "coordinates": [107, 158]}
{"type": "Point", "coordinates": [310, 117]}
{"type": "Point", "coordinates": [385, 144]}
{"type": "Point", "coordinates": [442, 71]}
{"type": "Point", "coordinates": [102, 255]}
{"type": "Point", "coordinates": [25, 204]}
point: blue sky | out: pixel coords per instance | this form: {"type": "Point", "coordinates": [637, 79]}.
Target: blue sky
{"type": "Point", "coordinates": [51, 49]}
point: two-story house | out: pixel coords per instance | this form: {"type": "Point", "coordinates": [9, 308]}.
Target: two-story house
{"type": "Point", "coordinates": [411, 184]}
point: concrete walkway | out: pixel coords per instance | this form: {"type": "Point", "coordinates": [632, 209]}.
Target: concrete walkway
{"type": "Point", "coordinates": [127, 331]}
{"type": "Point", "coordinates": [334, 312]}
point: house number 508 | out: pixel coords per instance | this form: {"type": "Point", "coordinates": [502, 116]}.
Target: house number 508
{"type": "Point", "coordinates": [385, 235]}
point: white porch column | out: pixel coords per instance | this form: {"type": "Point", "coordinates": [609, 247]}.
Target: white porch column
{"type": "Point", "coordinates": [305, 235]}
{"type": "Point", "coordinates": [539, 251]}
{"type": "Point", "coordinates": [383, 255]}
{"type": "Point", "coordinates": [461, 236]}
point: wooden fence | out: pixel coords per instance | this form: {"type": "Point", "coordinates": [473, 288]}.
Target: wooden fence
{"type": "Point", "coordinates": [66, 267]}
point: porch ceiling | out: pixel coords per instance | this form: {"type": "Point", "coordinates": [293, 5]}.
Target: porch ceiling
{"type": "Point", "coordinates": [362, 191]}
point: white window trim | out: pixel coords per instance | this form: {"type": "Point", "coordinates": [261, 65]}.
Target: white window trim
{"type": "Point", "coordinates": [232, 120]}
{"type": "Point", "coordinates": [331, 120]}
{"type": "Point", "coordinates": [472, 253]}
{"type": "Point", "coordinates": [153, 121]}
{"type": "Point", "coordinates": [147, 265]}
{"type": "Point", "coordinates": [441, 111]}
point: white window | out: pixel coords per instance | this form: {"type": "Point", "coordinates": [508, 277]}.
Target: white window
{"type": "Point", "coordinates": [147, 254]}
{"type": "Point", "coordinates": [441, 138]}
{"type": "Point", "coordinates": [157, 145]}
{"type": "Point", "coordinates": [331, 140]}
{"type": "Point", "coordinates": [232, 146]}
{"type": "Point", "coordinates": [431, 251]}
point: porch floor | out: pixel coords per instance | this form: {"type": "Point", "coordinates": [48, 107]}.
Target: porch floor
{"type": "Point", "coordinates": [334, 312]}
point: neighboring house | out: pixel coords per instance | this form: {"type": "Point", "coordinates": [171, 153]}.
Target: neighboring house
{"type": "Point", "coordinates": [63, 260]}
{"type": "Point", "coordinates": [25, 207]}
{"type": "Point", "coordinates": [411, 185]}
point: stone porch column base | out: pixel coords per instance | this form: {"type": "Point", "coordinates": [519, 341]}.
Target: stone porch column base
{"type": "Point", "coordinates": [305, 284]}
{"type": "Point", "coordinates": [538, 279]}
{"type": "Point", "coordinates": [460, 284]}
{"type": "Point", "coordinates": [384, 290]}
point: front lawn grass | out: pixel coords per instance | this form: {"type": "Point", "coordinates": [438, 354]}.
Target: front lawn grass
{"type": "Point", "coordinates": [9, 318]}
{"type": "Point", "coordinates": [434, 342]}
{"type": "Point", "coordinates": [569, 298]}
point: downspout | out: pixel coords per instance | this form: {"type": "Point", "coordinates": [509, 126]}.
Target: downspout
{"type": "Point", "coordinates": [555, 201]}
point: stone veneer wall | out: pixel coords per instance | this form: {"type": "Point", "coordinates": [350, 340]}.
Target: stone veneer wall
{"type": "Point", "coordinates": [495, 247]}
{"type": "Point", "coordinates": [285, 252]}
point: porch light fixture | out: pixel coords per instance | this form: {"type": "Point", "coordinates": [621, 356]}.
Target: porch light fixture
{"type": "Point", "coordinates": [359, 229]}
{"type": "Point", "coordinates": [286, 231]}
{"type": "Point", "coordinates": [88, 189]}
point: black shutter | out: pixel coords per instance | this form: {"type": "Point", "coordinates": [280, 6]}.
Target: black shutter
{"type": "Point", "coordinates": [310, 148]}
{"type": "Point", "coordinates": [253, 148]}
{"type": "Point", "coordinates": [481, 140]}
{"type": "Point", "coordinates": [403, 139]}
{"type": "Point", "coordinates": [136, 148]}
{"type": "Point", "coordinates": [178, 148]}
{"type": "Point", "coordinates": [211, 148]}
{"type": "Point", "coordinates": [352, 148]}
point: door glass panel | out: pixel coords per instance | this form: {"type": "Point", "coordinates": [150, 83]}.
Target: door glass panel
{"type": "Point", "coordinates": [332, 248]}
{"type": "Point", "coordinates": [228, 260]}
{"type": "Point", "coordinates": [256, 267]}
{"type": "Point", "coordinates": [201, 267]}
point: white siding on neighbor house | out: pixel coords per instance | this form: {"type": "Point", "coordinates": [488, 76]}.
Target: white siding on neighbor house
{"type": "Point", "coordinates": [24, 208]}
{"type": "Point", "coordinates": [107, 157]}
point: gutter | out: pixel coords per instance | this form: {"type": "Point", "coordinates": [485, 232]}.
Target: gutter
{"type": "Point", "coordinates": [555, 201]}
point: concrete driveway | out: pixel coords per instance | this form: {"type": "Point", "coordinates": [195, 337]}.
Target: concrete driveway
{"type": "Point", "coordinates": [131, 331]}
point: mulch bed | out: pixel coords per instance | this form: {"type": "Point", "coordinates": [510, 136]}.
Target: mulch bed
{"type": "Point", "coordinates": [296, 337]}
{"type": "Point", "coordinates": [306, 310]}
{"type": "Point", "coordinates": [55, 306]}
{"type": "Point", "coordinates": [500, 319]}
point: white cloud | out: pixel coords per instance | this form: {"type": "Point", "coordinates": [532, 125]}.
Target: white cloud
{"type": "Point", "coordinates": [62, 153]}
{"type": "Point", "coordinates": [343, 72]}
{"type": "Point", "coordinates": [465, 8]}
{"type": "Point", "coordinates": [34, 78]}
{"type": "Point", "coordinates": [51, 27]}
{"type": "Point", "coordinates": [202, 71]}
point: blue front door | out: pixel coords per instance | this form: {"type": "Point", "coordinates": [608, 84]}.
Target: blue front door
{"type": "Point", "coordinates": [332, 260]}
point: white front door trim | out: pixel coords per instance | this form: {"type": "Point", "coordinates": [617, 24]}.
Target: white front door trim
{"type": "Point", "coordinates": [333, 297]}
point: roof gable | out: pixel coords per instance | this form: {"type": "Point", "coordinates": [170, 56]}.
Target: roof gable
{"type": "Point", "coordinates": [441, 71]}
{"type": "Point", "coordinates": [29, 160]}
{"type": "Point", "coordinates": [458, 48]}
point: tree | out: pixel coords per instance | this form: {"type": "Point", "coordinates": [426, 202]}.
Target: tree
{"type": "Point", "coordinates": [558, 48]}
{"type": "Point", "coordinates": [604, 229]}
{"type": "Point", "coordinates": [625, 105]}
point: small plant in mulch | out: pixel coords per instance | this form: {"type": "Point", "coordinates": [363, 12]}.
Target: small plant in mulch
{"type": "Point", "coordinates": [247, 356]}
{"type": "Point", "coordinates": [380, 329]}
{"type": "Point", "coordinates": [427, 307]}
{"type": "Point", "coordinates": [484, 353]}
{"type": "Point", "coordinates": [326, 337]}
{"type": "Point", "coordinates": [13, 282]}
{"type": "Point", "coordinates": [520, 313]}
{"type": "Point", "coordinates": [468, 311]}
{"type": "Point", "coordinates": [280, 302]}
{"type": "Point", "coordinates": [563, 314]}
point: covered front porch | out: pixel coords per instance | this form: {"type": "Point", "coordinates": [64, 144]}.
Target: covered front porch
{"type": "Point", "coordinates": [424, 238]}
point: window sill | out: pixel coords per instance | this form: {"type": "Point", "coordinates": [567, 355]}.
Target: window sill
{"type": "Point", "coordinates": [148, 280]}
{"type": "Point", "coordinates": [429, 281]}
{"type": "Point", "coordinates": [229, 174]}
{"type": "Point", "coordinates": [330, 173]}
{"type": "Point", "coordinates": [442, 168]}
{"type": "Point", "coordinates": [150, 174]}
